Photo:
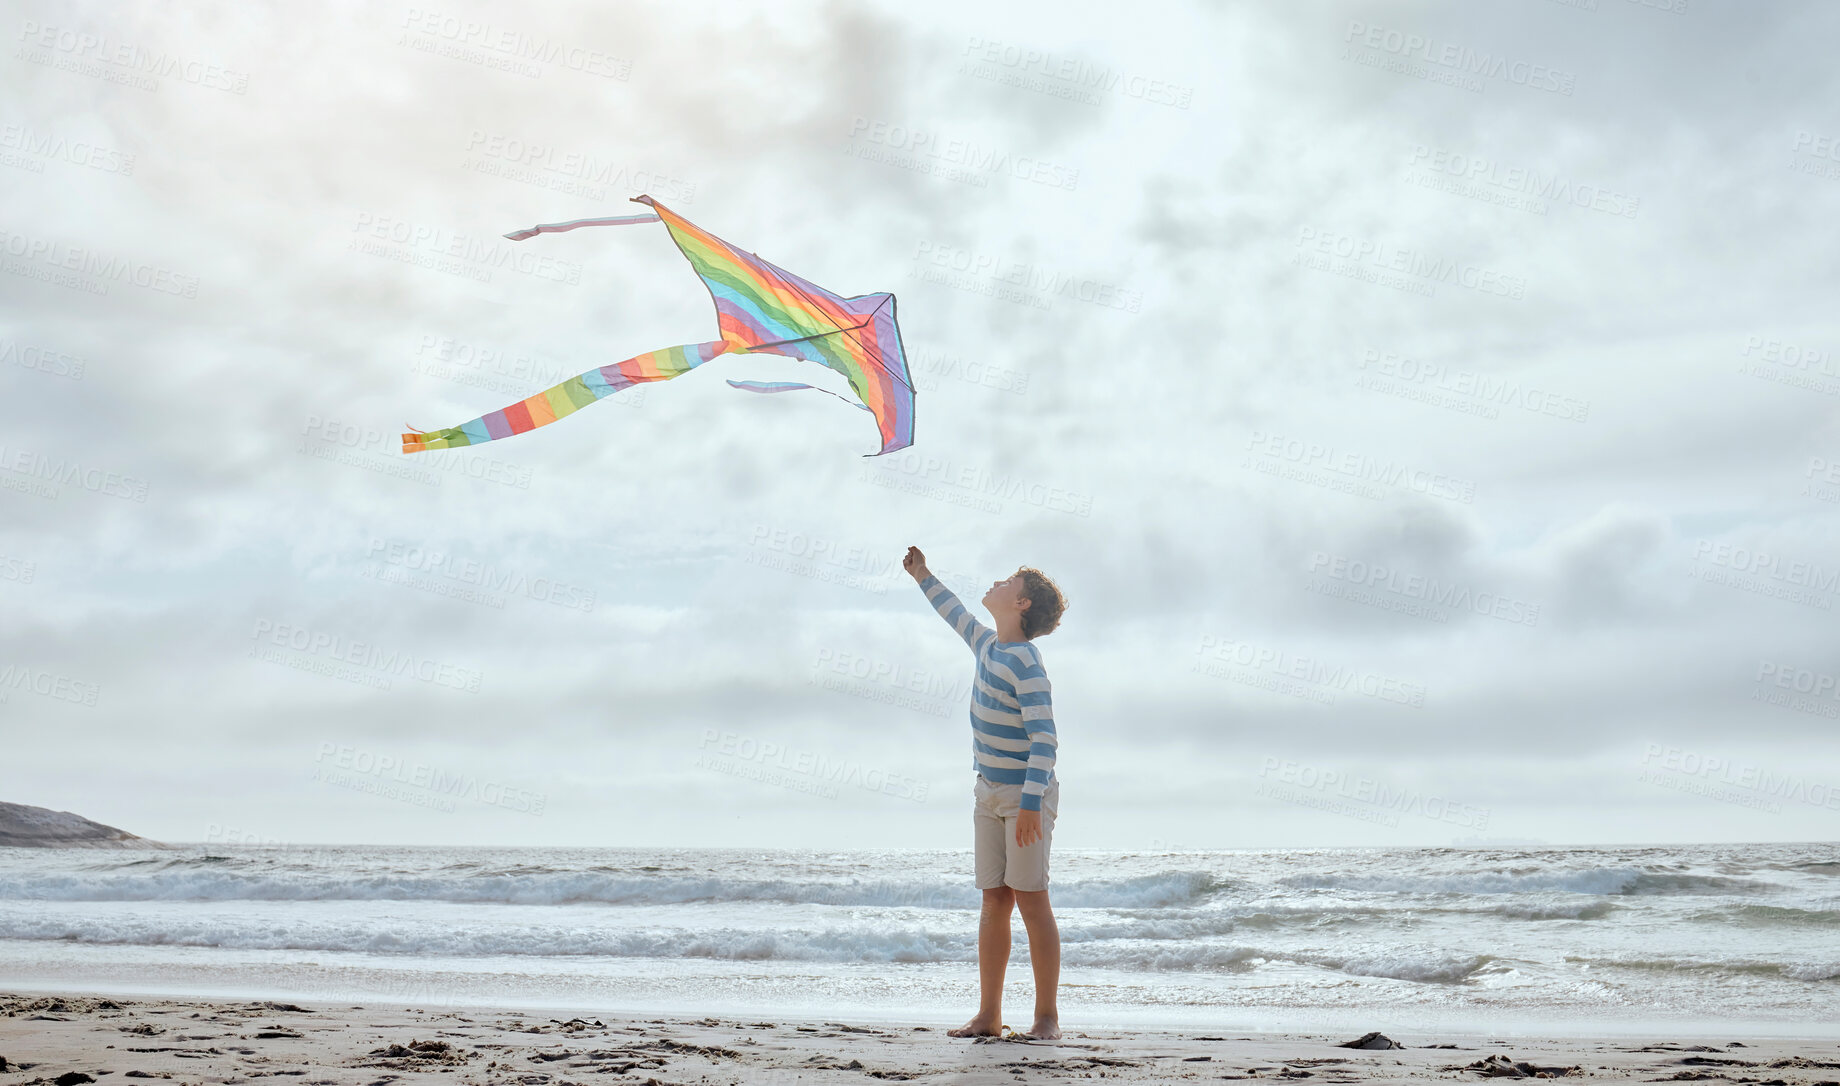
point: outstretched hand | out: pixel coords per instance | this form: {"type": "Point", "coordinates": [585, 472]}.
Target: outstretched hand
{"type": "Point", "coordinates": [915, 564]}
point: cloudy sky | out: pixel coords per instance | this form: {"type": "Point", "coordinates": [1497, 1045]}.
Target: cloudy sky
{"type": "Point", "coordinates": [1427, 409]}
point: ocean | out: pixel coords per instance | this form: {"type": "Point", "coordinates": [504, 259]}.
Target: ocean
{"type": "Point", "coordinates": [1733, 939]}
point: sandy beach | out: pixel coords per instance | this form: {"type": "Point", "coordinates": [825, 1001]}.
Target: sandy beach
{"type": "Point", "coordinates": [74, 1039]}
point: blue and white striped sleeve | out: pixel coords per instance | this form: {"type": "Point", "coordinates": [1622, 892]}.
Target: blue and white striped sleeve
{"type": "Point", "coordinates": [943, 601]}
{"type": "Point", "coordinates": [1034, 695]}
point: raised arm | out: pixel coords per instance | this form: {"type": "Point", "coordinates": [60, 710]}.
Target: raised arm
{"type": "Point", "coordinates": [950, 609]}
{"type": "Point", "coordinates": [943, 601]}
{"type": "Point", "coordinates": [1033, 694]}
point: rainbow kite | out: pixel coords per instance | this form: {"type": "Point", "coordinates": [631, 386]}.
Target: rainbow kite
{"type": "Point", "coordinates": [761, 309]}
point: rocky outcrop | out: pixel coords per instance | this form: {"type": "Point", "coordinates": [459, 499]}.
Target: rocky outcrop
{"type": "Point", "coordinates": [40, 827]}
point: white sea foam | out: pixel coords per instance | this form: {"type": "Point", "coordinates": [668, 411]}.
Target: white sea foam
{"type": "Point", "coordinates": [454, 941]}
{"type": "Point", "coordinates": [1111, 949]}
{"type": "Point", "coordinates": [1410, 963]}
{"type": "Point", "coordinates": [1600, 881]}
{"type": "Point", "coordinates": [1165, 888]}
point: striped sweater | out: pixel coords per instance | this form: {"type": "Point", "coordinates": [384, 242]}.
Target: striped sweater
{"type": "Point", "coordinates": [1012, 718]}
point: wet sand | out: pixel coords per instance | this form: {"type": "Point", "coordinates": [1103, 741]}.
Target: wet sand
{"type": "Point", "coordinates": [68, 1040]}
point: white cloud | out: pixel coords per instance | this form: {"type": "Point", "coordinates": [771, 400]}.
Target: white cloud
{"type": "Point", "coordinates": [1566, 350]}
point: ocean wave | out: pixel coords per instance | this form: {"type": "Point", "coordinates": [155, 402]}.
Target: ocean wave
{"type": "Point", "coordinates": [393, 938]}
{"type": "Point", "coordinates": [1766, 915]}
{"type": "Point", "coordinates": [1155, 927]}
{"type": "Point", "coordinates": [1120, 950]}
{"type": "Point", "coordinates": [1423, 964]}
{"type": "Point", "coordinates": [1813, 970]}
{"type": "Point", "coordinates": [911, 945]}
{"type": "Point", "coordinates": [1166, 958]}
{"type": "Point", "coordinates": [1321, 914]}
{"type": "Point", "coordinates": [1555, 910]}
{"type": "Point", "coordinates": [1809, 970]}
{"type": "Point", "coordinates": [1129, 948]}
{"type": "Point", "coordinates": [1601, 881]}
{"type": "Point", "coordinates": [1161, 889]}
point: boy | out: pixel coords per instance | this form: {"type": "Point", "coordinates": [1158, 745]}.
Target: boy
{"type": "Point", "coordinates": [1016, 794]}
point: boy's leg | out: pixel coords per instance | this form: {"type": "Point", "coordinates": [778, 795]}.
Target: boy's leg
{"type": "Point", "coordinates": [1028, 867]}
{"type": "Point", "coordinates": [993, 917]}
{"type": "Point", "coordinates": [1045, 954]}
{"type": "Point", "coordinates": [993, 954]}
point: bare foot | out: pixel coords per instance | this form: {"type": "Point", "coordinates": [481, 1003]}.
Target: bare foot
{"type": "Point", "coordinates": [1047, 1027]}
{"type": "Point", "coordinates": [979, 1026]}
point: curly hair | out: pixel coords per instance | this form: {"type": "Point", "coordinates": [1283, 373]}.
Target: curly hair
{"type": "Point", "coordinates": [1046, 604]}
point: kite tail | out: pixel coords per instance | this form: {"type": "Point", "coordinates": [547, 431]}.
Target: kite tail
{"type": "Point", "coordinates": [568, 397]}
{"type": "Point", "coordinates": [575, 224]}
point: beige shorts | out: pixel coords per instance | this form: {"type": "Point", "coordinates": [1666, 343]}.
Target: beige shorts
{"type": "Point", "coordinates": [1000, 861]}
